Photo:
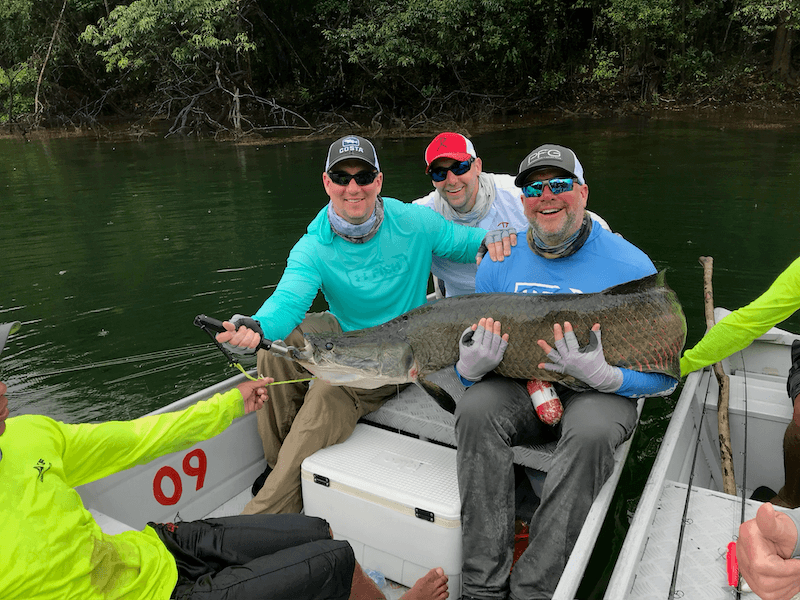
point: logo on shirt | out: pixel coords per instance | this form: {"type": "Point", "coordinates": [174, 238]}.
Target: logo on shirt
{"type": "Point", "coordinates": [43, 468]}
{"type": "Point", "coordinates": [525, 287]}
{"type": "Point", "coordinates": [388, 270]}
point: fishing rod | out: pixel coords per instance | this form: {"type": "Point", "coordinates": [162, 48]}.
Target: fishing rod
{"type": "Point", "coordinates": [735, 579]}
{"type": "Point", "coordinates": [211, 326]}
{"type": "Point", "coordinates": [676, 562]}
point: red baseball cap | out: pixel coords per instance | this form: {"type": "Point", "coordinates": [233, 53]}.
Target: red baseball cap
{"type": "Point", "coordinates": [449, 145]}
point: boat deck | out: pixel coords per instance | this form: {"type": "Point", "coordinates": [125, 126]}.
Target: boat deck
{"type": "Point", "coordinates": [712, 522]}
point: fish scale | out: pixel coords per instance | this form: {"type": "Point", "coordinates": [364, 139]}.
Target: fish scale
{"type": "Point", "coordinates": [643, 328]}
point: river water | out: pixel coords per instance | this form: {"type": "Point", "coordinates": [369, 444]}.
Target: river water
{"type": "Point", "coordinates": [110, 248]}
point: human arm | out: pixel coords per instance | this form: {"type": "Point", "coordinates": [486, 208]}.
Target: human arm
{"type": "Point", "coordinates": [287, 306]}
{"type": "Point", "coordinates": [764, 550]}
{"type": "Point", "coordinates": [745, 324]}
{"type": "Point", "coordinates": [589, 365]}
{"type": "Point", "coordinates": [93, 451]}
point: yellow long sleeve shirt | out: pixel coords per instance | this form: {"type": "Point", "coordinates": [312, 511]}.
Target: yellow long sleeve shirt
{"type": "Point", "coordinates": [50, 546]}
{"type": "Point", "coordinates": [742, 326]}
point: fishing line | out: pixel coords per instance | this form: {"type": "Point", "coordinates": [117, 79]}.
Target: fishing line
{"type": "Point", "coordinates": [688, 493]}
{"type": "Point", "coordinates": [172, 365]}
{"type": "Point", "coordinates": [148, 357]}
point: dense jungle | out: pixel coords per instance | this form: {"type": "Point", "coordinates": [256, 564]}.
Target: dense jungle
{"type": "Point", "coordinates": [238, 69]}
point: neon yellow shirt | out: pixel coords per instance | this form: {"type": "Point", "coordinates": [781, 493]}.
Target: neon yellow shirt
{"type": "Point", "coordinates": [742, 326]}
{"type": "Point", "coordinates": [50, 546]}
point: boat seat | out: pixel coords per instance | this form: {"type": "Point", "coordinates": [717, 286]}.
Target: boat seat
{"type": "Point", "coordinates": [415, 413]}
{"type": "Point", "coordinates": [109, 525]}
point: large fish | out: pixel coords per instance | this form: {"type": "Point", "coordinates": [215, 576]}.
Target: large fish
{"type": "Point", "coordinates": [642, 323]}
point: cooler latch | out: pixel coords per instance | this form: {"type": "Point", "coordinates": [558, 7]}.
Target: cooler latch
{"type": "Point", "coordinates": [322, 480]}
{"type": "Point", "coordinates": [426, 515]}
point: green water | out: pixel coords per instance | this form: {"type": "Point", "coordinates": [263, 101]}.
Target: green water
{"type": "Point", "coordinates": [109, 249]}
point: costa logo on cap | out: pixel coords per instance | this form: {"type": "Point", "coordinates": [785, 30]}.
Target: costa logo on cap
{"type": "Point", "coordinates": [351, 145]}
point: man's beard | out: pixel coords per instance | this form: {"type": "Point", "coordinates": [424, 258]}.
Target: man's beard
{"type": "Point", "coordinates": [555, 238]}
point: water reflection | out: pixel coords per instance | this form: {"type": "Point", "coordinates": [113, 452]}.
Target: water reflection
{"type": "Point", "coordinates": [111, 248]}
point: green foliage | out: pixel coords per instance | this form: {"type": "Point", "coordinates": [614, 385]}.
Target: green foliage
{"type": "Point", "coordinates": [16, 91]}
{"type": "Point", "coordinates": [759, 18]}
{"type": "Point", "coordinates": [393, 57]}
{"type": "Point", "coordinates": [606, 71]}
{"type": "Point", "coordinates": [152, 36]}
{"type": "Point", "coordinates": [476, 44]}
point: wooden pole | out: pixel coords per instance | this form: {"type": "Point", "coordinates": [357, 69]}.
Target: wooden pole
{"type": "Point", "coordinates": [725, 452]}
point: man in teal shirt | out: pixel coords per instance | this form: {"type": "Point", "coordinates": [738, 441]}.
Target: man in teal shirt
{"type": "Point", "coordinates": [371, 258]}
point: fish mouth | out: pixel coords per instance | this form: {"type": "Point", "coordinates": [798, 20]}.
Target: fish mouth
{"type": "Point", "coordinates": [366, 366]}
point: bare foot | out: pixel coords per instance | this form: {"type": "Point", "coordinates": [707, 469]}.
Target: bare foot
{"type": "Point", "coordinates": [431, 586]}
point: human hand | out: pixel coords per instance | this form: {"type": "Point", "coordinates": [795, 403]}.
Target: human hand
{"type": "Point", "coordinates": [498, 244]}
{"type": "Point", "coordinates": [585, 364]}
{"type": "Point", "coordinates": [763, 552]}
{"type": "Point", "coordinates": [254, 393]}
{"type": "Point", "coordinates": [481, 349]}
{"type": "Point", "coordinates": [242, 335]}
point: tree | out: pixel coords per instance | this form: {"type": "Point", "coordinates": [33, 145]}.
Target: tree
{"type": "Point", "coordinates": [781, 17]}
{"type": "Point", "coordinates": [193, 55]}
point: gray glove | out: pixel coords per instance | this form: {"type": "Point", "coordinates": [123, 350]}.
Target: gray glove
{"type": "Point", "coordinates": [240, 320]}
{"type": "Point", "coordinates": [480, 351]}
{"type": "Point", "coordinates": [495, 235]}
{"type": "Point", "coordinates": [585, 364]}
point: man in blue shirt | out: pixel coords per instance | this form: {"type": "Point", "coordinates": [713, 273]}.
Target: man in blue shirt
{"type": "Point", "coordinates": [566, 252]}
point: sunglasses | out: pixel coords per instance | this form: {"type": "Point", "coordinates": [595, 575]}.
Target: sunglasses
{"type": "Point", "coordinates": [440, 173]}
{"type": "Point", "coordinates": [362, 177]}
{"type": "Point", "coordinates": [557, 185]}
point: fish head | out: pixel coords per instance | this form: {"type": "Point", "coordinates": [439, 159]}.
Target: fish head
{"type": "Point", "coordinates": [354, 360]}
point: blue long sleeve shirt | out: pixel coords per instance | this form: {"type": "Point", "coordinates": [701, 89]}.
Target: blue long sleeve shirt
{"type": "Point", "coordinates": [603, 261]}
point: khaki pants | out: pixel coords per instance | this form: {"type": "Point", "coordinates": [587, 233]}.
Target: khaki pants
{"type": "Point", "coordinates": [298, 420]}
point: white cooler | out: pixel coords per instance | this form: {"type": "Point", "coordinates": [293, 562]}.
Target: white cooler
{"type": "Point", "coordinates": [394, 498]}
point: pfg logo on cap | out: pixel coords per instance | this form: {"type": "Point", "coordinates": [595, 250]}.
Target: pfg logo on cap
{"type": "Point", "coordinates": [551, 153]}
{"type": "Point", "coordinates": [351, 144]}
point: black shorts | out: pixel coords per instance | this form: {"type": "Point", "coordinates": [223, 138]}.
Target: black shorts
{"type": "Point", "coordinates": [272, 557]}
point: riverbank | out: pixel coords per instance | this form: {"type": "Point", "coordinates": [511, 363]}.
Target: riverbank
{"type": "Point", "coordinates": [761, 114]}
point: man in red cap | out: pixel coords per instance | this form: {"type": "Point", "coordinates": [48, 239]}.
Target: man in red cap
{"type": "Point", "coordinates": [465, 194]}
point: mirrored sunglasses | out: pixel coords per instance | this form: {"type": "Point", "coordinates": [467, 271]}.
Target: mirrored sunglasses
{"type": "Point", "coordinates": [362, 177]}
{"type": "Point", "coordinates": [459, 168]}
{"type": "Point", "coordinates": [557, 185]}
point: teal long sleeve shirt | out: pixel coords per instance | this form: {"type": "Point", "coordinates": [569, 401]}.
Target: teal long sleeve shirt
{"type": "Point", "coordinates": [371, 283]}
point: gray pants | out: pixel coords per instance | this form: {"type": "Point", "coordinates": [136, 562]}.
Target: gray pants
{"type": "Point", "coordinates": [496, 414]}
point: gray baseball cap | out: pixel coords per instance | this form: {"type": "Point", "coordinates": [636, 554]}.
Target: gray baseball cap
{"type": "Point", "coordinates": [550, 155]}
{"type": "Point", "coordinates": [7, 329]}
{"type": "Point", "coordinates": [352, 147]}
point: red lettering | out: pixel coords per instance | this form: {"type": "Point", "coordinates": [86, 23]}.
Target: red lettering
{"type": "Point", "coordinates": [158, 491]}
{"type": "Point", "coordinates": [200, 470]}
